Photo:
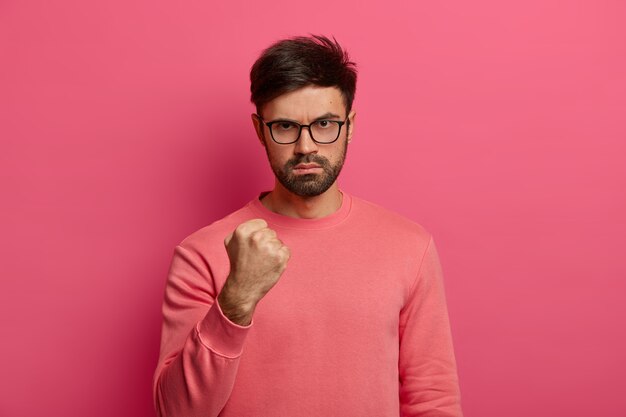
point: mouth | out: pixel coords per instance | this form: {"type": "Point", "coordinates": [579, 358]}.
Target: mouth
{"type": "Point", "coordinates": [306, 166]}
{"type": "Point", "coordinates": [302, 169]}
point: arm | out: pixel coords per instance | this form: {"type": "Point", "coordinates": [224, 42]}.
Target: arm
{"type": "Point", "coordinates": [200, 346]}
{"type": "Point", "coordinates": [427, 366]}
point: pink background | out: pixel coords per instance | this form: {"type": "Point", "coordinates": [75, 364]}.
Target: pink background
{"type": "Point", "coordinates": [499, 126]}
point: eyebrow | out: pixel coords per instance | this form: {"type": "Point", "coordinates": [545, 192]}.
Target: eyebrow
{"type": "Point", "coordinates": [327, 115]}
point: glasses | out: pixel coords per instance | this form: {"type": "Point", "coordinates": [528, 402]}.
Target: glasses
{"type": "Point", "coordinates": [321, 131]}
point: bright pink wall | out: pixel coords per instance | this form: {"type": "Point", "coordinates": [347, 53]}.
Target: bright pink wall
{"type": "Point", "coordinates": [500, 126]}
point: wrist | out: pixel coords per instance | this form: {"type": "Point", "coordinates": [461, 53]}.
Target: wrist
{"type": "Point", "coordinates": [235, 307]}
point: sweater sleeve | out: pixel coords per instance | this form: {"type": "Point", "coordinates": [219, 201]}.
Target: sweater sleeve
{"type": "Point", "coordinates": [427, 366]}
{"type": "Point", "coordinates": [200, 347]}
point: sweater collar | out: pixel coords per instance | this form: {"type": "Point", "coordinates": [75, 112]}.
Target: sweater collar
{"type": "Point", "coordinates": [304, 224]}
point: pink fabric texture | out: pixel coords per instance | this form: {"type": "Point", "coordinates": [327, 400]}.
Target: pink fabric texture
{"type": "Point", "coordinates": [357, 325]}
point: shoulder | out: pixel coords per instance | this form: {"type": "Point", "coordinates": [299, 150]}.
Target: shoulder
{"type": "Point", "coordinates": [388, 221]}
{"type": "Point", "coordinates": [398, 238]}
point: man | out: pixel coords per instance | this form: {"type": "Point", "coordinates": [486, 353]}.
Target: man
{"type": "Point", "coordinates": [307, 301]}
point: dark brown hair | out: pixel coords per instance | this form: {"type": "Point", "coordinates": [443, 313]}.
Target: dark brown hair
{"type": "Point", "coordinates": [297, 62]}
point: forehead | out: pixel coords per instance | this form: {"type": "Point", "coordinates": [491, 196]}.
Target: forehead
{"type": "Point", "coordinates": [305, 104]}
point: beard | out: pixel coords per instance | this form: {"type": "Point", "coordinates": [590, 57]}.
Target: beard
{"type": "Point", "coordinates": [309, 185]}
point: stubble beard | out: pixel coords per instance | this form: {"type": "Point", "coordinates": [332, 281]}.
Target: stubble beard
{"type": "Point", "coordinates": [309, 185]}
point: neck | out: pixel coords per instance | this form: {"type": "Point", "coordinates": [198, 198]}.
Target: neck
{"type": "Point", "coordinates": [284, 202]}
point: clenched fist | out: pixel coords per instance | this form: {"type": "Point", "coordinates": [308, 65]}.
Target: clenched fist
{"type": "Point", "coordinates": [257, 260]}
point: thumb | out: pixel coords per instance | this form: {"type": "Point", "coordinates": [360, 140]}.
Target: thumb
{"type": "Point", "coordinates": [227, 239]}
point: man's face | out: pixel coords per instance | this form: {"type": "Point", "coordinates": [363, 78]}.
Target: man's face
{"type": "Point", "coordinates": [306, 168]}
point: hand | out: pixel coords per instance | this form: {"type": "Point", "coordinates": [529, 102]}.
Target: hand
{"type": "Point", "coordinates": [257, 260]}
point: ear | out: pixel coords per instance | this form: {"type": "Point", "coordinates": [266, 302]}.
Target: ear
{"type": "Point", "coordinates": [258, 128]}
{"type": "Point", "coordinates": [351, 118]}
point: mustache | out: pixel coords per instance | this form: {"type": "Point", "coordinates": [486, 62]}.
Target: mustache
{"type": "Point", "coordinates": [308, 159]}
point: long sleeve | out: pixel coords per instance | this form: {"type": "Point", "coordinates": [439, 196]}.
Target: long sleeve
{"type": "Point", "coordinates": [200, 347]}
{"type": "Point", "coordinates": [427, 366]}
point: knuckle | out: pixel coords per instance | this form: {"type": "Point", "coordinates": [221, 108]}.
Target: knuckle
{"type": "Point", "coordinates": [256, 236]}
{"type": "Point", "coordinates": [250, 226]}
{"type": "Point", "coordinates": [267, 234]}
{"type": "Point", "coordinates": [257, 223]}
{"type": "Point", "coordinates": [240, 231]}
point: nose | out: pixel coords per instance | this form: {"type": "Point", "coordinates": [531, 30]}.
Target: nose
{"type": "Point", "coordinates": [305, 143]}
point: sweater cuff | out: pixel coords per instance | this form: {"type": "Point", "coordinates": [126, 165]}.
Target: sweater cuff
{"type": "Point", "coordinates": [220, 334]}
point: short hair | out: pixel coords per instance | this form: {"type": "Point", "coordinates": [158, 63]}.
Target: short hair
{"type": "Point", "coordinates": [300, 61]}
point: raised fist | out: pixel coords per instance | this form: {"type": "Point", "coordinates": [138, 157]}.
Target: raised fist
{"type": "Point", "coordinates": [257, 260]}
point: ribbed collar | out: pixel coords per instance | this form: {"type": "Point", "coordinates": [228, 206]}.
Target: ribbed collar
{"type": "Point", "coordinates": [288, 222]}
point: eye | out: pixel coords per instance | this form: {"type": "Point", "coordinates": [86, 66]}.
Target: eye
{"type": "Point", "coordinates": [324, 124]}
{"type": "Point", "coordinates": [284, 126]}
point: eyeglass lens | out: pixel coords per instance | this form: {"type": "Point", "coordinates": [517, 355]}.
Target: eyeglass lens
{"type": "Point", "coordinates": [323, 131]}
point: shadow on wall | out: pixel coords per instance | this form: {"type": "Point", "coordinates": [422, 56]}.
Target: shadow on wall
{"type": "Point", "coordinates": [221, 168]}
{"type": "Point", "coordinates": [232, 167]}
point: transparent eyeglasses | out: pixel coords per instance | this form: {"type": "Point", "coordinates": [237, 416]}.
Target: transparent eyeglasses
{"type": "Point", "coordinates": [322, 131]}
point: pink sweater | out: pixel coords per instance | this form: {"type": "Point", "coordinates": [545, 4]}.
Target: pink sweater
{"type": "Point", "coordinates": [357, 325]}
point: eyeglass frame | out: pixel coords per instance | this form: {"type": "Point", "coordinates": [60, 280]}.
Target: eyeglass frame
{"type": "Point", "coordinates": [269, 125]}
